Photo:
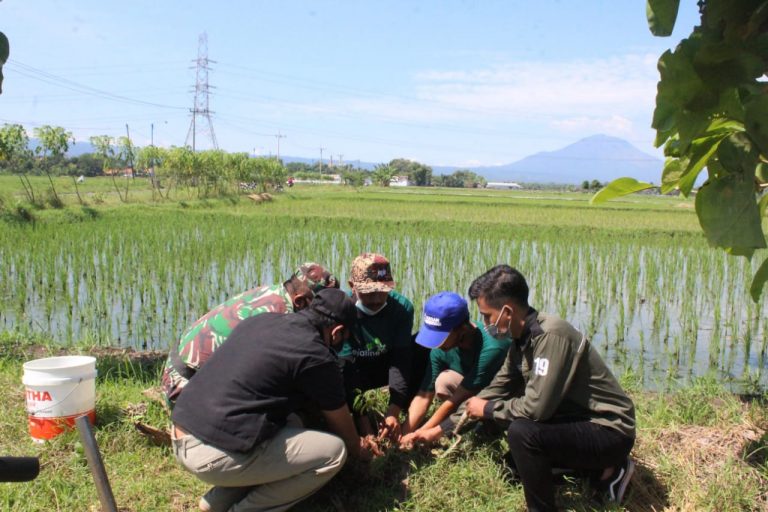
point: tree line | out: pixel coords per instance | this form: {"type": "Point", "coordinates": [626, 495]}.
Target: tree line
{"type": "Point", "coordinates": [211, 173]}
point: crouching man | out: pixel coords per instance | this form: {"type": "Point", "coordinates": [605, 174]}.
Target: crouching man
{"type": "Point", "coordinates": [561, 405]}
{"type": "Point", "coordinates": [463, 360]}
{"type": "Point", "coordinates": [234, 426]}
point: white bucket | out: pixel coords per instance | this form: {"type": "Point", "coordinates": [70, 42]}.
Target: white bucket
{"type": "Point", "coordinates": [58, 390]}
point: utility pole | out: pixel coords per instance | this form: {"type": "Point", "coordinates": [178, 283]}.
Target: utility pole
{"type": "Point", "coordinates": [130, 155]}
{"type": "Point", "coordinates": [321, 161]}
{"type": "Point", "coordinates": [201, 106]}
{"type": "Point", "coordinates": [278, 137]}
{"type": "Point", "coordinates": [152, 143]}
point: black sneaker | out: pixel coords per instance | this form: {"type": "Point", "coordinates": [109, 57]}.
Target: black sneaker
{"type": "Point", "coordinates": [618, 483]}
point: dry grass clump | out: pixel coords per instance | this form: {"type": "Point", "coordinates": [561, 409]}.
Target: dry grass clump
{"type": "Point", "coordinates": [701, 467]}
{"type": "Point", "coordinates": [259, 198]}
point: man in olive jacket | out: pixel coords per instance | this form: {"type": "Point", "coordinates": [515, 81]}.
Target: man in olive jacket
{"type": "Point", "coordinates": [562, 406]}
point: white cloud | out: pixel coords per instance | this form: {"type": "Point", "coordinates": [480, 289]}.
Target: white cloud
{"type": "Point", "coordinates": [611, 125]}
{"type": "Point", "coordinates": [602, 93]}
{"type": "Point", "coordinates": [618, 86]}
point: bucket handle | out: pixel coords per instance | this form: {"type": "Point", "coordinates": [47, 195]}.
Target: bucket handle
{"type": "Point", "coordinates": [55, 381]}
{"type": "Point", "coordinates": [51, 406]}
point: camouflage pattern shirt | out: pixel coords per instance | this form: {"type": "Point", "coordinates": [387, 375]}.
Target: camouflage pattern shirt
{"type": "Point", "coordinates": [202, 339]}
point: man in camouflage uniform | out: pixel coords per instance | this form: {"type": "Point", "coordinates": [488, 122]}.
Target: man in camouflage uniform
{"type": "Point", "coordinates": [211, 330]}
{"type": "Point", "coordinates": [381, 351]}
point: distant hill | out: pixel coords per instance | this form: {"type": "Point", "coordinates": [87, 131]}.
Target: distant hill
{"type": "Point", "coordinates": [598, 157]}
{"type": "Point", "coordinates": [76, 149]}
{"type": "Point", "coordinates": [363, 165]}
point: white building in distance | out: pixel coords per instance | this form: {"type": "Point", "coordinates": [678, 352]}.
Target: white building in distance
{"type": "Point", "coordinates": [503, 185]}
{"type": "Point", "coordinates": [398, 181]}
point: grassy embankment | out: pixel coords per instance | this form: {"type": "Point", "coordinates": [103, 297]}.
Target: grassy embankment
{"type": "Point", "coordinates": [699, 447]}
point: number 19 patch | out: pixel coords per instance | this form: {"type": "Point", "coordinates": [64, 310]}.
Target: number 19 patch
{"type": "Point", "coordinates": [540, 366]}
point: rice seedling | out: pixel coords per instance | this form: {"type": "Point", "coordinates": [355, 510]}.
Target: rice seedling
{"type": "Point", "coordinates": [637, 277]}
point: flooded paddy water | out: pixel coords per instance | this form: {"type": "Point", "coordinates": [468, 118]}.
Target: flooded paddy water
{"type": "Point", "coordinates": [664, 308]}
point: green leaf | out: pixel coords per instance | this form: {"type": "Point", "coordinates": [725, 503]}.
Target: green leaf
{"type": "Point", "coordinates": [728, 212]}
{"type": "Point", "coordinates": [661, 16]}
{"type": "Point", "coordinates": [691, 125]}
{"type": "Point", "coordinates": [737, 154]}
{"type": "Point", "coordinates": [701, 151]}
{"type": "Point", "coordinates": [4, 52]}
{"type": "Point", "coordinates": [723, 63]}
{"type": "Point", "coordinates": [747, 252]}
{"type": "Point", "coordinates": [679, 83]}
{"type": "Point", "coordinates": [731, 106]}
{"type": "Point", "coordinates": [757, 19]}
{"type": "Point", "coordinates": [761, 172]}
{"type": "Point", "coordinates": [619, 187]}
{"type": "Point", "coordinates": [756, 121]}
{"type": "Point", "coordinates": [671, 175]}
{"type": "Point", "coordinates": [761, 276]}
{"type": "Point", "coordinates": [762, 204]}
{"type": "Point", "coordinates": [4, 49]}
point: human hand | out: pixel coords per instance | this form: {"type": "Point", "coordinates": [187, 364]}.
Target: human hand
{"type": "Point", "coordinates": [390, 428]}
{"type": "Point", "coordinates": [408, 441]}
{"type": "Point", "coordinates": [368, 449]}
{"type": "Point", "coordinates": [476, 407]}
{"type": "Point", "coordinates": [421, 437]}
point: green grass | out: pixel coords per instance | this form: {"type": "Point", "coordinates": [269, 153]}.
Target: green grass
{"type": "Point", "coordinates": [671, 475]}
{"type": "Point", "coordinates": [520, 208]}
{"type": "Point", "coordinates": [667, 313]}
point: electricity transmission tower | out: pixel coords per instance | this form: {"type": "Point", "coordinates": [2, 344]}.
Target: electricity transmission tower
{"type": "Point", "coordinates": [202, 95]}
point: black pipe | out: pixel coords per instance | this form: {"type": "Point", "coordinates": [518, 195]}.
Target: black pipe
{"type": "Point", "coordinates": [93, 455]}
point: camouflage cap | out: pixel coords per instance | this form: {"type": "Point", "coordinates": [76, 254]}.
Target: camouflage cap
{"type": "Point", "coordinates": [371, 273]}
{"type": "Point", "coordinates": [316, 276]}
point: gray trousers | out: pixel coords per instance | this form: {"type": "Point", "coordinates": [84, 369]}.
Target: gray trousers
{"type": "Point", "coordinates": [276, 475]}
{"type": "Point", "coordinates": [447, 383]}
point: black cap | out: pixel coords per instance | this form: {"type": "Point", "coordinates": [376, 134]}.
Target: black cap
{"type": "Point", "coordinates": [336, 305]}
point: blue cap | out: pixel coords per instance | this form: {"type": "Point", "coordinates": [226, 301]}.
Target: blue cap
{"type": "Point", "coordinates": [442, 313]}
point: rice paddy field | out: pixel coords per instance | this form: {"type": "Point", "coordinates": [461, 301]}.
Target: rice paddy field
{"type": "Point", "coordinates": [119, 281]}
{"type": "Point", "coordinates": [635, 275]}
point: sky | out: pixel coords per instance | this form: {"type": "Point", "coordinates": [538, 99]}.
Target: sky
{"type": "Point", "coordinates": [451, 82]}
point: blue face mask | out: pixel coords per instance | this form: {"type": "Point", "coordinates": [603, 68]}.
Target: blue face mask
{"type": "Point", "coordinates": [493, 329]}
{"type": "Point", "coordinates": [368, 311]}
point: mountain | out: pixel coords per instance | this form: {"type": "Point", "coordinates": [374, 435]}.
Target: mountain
{"type": "Point", "coordinates": [598, 157]}
{"type": "Point", "coordinates": [76, 149]}
{"type": "Point", "coordinates": [326, 162]}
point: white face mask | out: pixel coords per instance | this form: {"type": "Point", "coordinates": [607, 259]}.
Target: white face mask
{"type": "Point", "coordinates": [368, 311]}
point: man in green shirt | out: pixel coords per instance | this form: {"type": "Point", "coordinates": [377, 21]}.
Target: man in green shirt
{"type": "Point", "coordinates": [381, 351]}
{"type": "Point", "coordinates": [463, 360]}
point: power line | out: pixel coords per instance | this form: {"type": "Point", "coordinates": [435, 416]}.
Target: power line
{"type": "Point", "coordinates": [59, 81]}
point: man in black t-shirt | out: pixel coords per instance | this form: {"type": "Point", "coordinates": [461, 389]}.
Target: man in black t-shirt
{"type": "Point", "coordinates": [235, 427]}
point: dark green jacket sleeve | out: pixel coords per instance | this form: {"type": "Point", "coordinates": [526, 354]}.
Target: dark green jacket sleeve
{"type": "Point", "coordinates": [507, 382]}
{"type": "Point", "coordinates": [553, 365]}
